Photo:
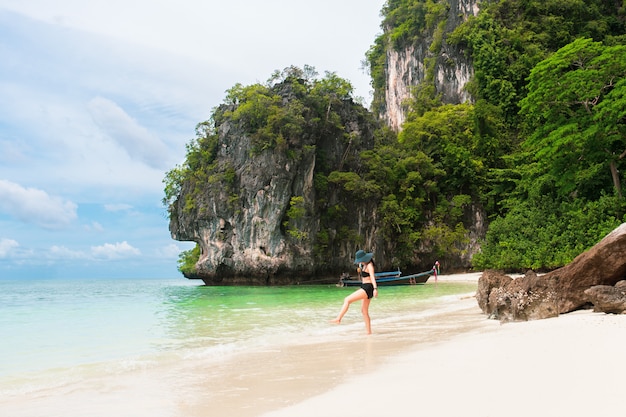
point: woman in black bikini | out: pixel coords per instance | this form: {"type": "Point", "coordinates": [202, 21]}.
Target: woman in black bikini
{"type": "Point", "coordinates": [368, 289]}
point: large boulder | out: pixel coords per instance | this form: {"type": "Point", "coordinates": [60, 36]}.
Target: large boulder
{"type": "Point", "coordinates": [608, 299]}
{"type": "Point", "coordinates": [561, 291]}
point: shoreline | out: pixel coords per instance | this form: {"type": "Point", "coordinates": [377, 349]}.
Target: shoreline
{"type": "Point", "coordinates": [568, 365]}
{"type": "Point", "coordinates": [461, 277]}
{"type": "Point", "coordinates": [262, 378]}
{"type": "Point", "coordinates": [437, 354]}
{"type": "Point", "coordinates": [317, 369]}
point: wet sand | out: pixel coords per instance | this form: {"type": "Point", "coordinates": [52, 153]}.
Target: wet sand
{"type": "Point", "coordinates": [570, 365]}
{"type": "Point", "coordinates": [291, 375]}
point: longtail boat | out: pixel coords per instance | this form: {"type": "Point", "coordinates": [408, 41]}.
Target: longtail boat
{"type": "Point", "coordinates": [390, 278]}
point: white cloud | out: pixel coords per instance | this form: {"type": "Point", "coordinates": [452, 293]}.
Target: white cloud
{"type": "Point", "coordinates": [115, 251]}
{"type": "Point", "coordinates": [6, 246]}
{"type": "Point", "coordinates": [272, 34]}
{"type": "Point", "coordinates": [108, 251]}
{"type": "Point", "coordinates": [130, 135]}
{"type": "Point", "coordinates": [61, 252]}
{"type": "Point", "coordinates": [170, 251]}
{"type": "Point", "coordinates": [44, 149]}
{"type": "Point", "coordinates": [91, 112]}
{"type": "Point", "coordinates": [94, 227]}
{"type": "Point", "coordinates": [32, 205]}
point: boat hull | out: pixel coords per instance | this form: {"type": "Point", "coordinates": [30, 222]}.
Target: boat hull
{"type": "Point", "coordinates": [386, 279]}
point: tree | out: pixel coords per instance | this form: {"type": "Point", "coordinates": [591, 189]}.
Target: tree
{"type": "Point", "coordinates": [448, 134]}
{"type": "Point", "coordinates": [569, 192]}
{"type": "Point", "coordinates": [574, 119]}
{"type": "Point", "coordinates": [187, 260]}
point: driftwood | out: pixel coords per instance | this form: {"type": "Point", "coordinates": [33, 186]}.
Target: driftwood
{"type": "Point", "coordinates": [560, 291]}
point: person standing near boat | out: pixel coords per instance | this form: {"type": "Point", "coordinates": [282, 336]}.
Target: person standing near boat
{"type": "Point", "coordinates": [369, 289]}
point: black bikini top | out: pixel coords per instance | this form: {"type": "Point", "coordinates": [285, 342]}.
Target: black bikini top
{"type": "Point", "coordinates": [362, 271]}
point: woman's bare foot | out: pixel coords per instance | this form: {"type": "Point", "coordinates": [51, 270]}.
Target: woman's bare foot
{"type": "Point", "coordinates": [336, 321]}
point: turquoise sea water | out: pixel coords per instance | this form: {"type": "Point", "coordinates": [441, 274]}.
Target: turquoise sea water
{"type": "Point", "coordinates": [53, 332]}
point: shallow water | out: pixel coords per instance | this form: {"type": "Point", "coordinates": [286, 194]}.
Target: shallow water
{"type": "Point", "coordinates": [97, 338]}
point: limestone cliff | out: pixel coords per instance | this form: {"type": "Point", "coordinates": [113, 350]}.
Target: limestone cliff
{"type": "Point", "coordinates": [276, 219]}
{"type": "Point", "coordinates": [430, 59]}
{"type": "Point", "coordinates": [271, 214]}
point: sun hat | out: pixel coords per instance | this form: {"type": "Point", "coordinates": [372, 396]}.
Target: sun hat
{"type": "Point", "coordinates": [362, 257]}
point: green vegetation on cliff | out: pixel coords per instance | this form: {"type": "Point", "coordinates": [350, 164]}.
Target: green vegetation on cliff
{"type": "Point", "coordinates": [271, 122]}
{"type": "Point", "coordinates": [569, 189]}
{"type": "Point", "coordinates": [540, 149]}
{"type": "Point", "coordinates": [548, 133]}
{"type": "Point", "coordinates": [252, 146]}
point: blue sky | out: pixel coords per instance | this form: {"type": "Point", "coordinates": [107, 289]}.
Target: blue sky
{"type": "Point", "coordinates": [98, 99]}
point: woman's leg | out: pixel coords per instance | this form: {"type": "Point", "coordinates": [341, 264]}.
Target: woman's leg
{"type": "Point", "coordinates": [365, 310]}
{"type": "Point", "coordinates": [359, 294]}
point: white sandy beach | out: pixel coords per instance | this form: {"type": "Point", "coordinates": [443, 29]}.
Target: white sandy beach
{"type": "Point", "coordinates": [566, 366]}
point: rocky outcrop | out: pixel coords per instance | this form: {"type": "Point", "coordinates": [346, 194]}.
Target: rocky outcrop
{"type": "Point", "coordinates": [560, 291]}
{"type": "Point", "coordinates": [526, 298]}
{"type": "Point", "coordinates": [243, 225]}
{"type": "Point", "coordinates": [406, 68]}
{"type": "Point", "coordinates": [608, 299]}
